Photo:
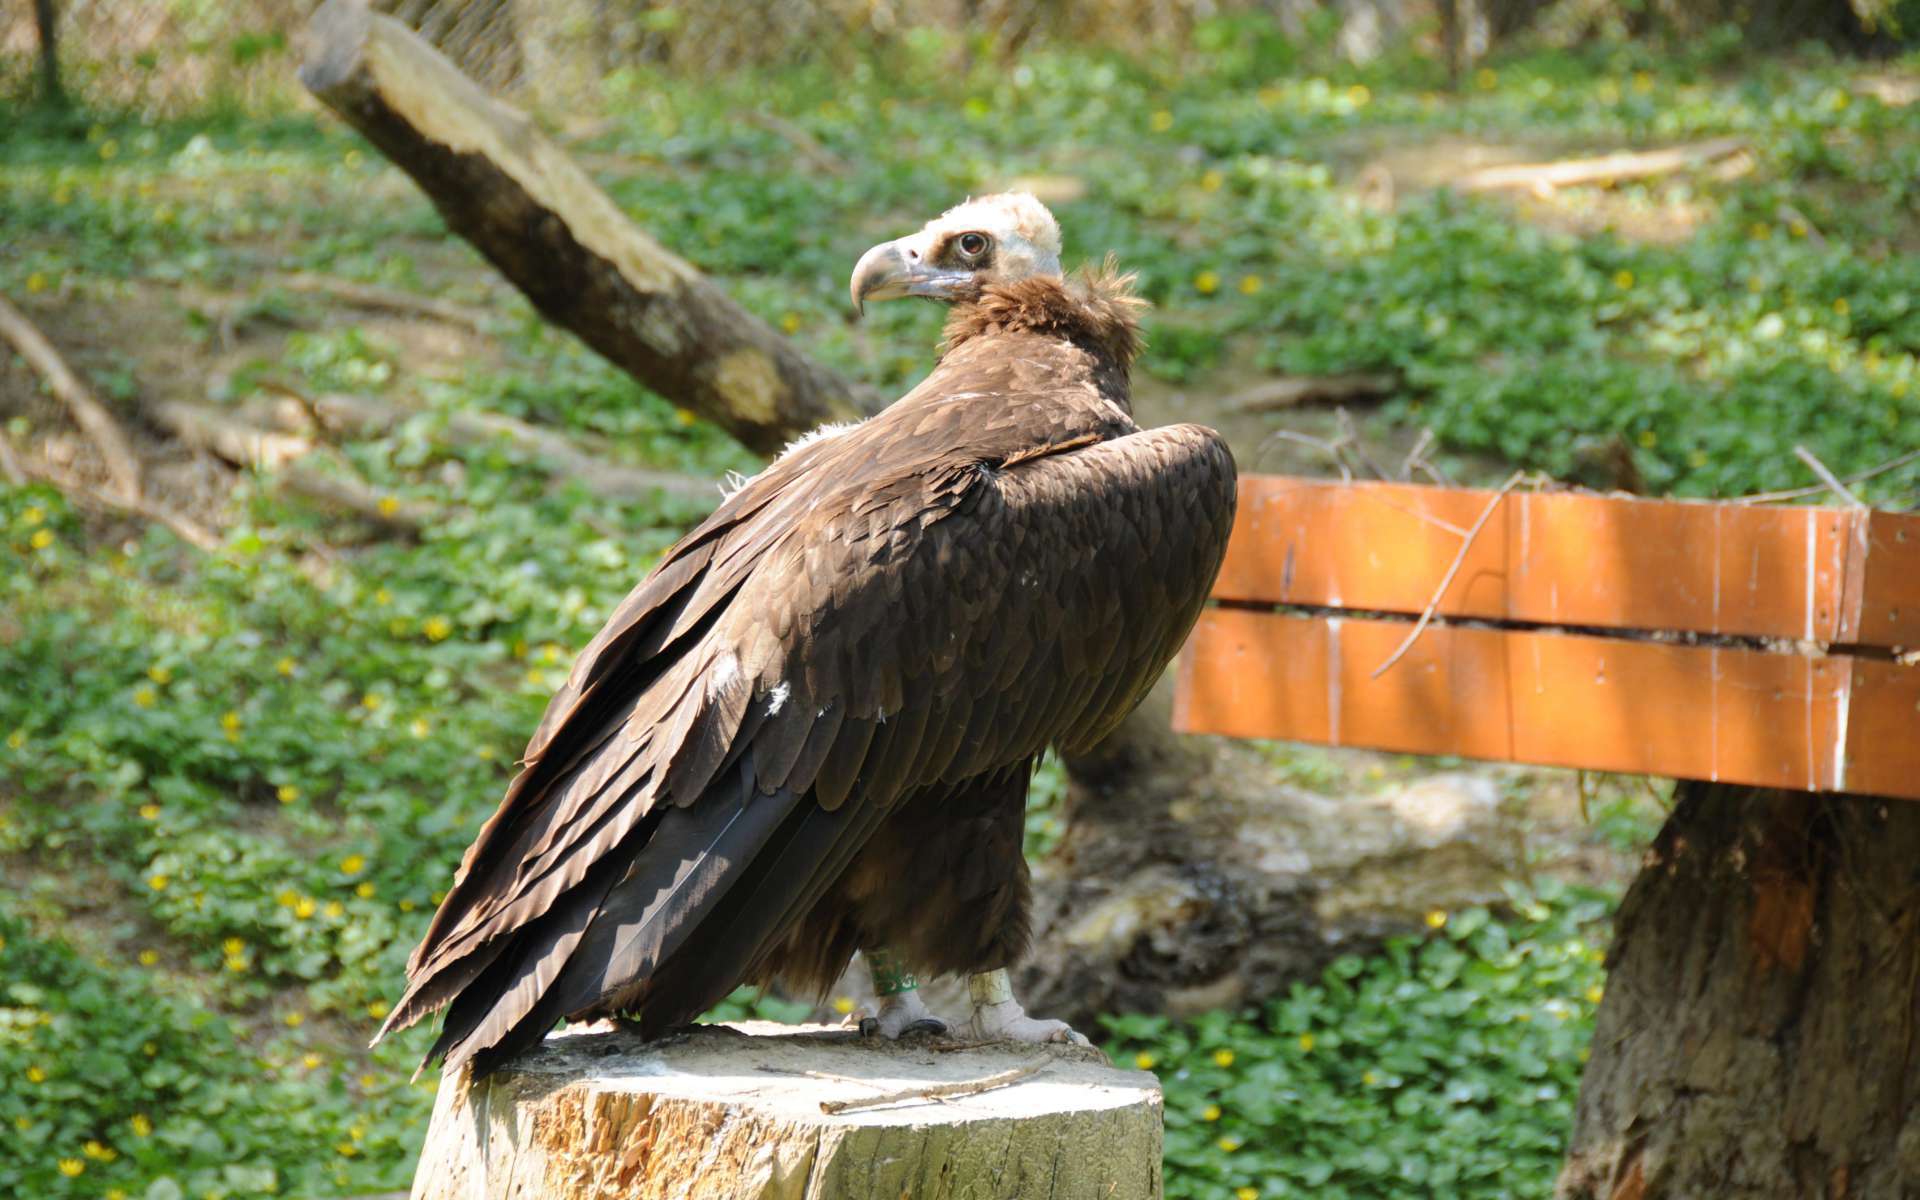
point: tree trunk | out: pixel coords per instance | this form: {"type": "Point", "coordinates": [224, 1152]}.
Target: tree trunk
{"type": "Point", "coordinates": [1758, 1033]}
{"type": "Point", "coordinates": [714, 1115]}
{"type": "Point", "coordinates": [48, 19]}
{"type": "Point", "coordinates": [534, 213]}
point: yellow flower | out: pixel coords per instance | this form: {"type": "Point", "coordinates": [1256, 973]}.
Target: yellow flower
{"type": "Point", "coordinates": [1642, 82]}
{"type": "Point", "coordinates": [484, 752]}
{"type": "Point", "coordinates": [1223, 1058]}
{"type": "Point", "coordinates": [109, 149]}
{"type": "Point", "coordinates": [37, 282]}
{"type": "Point", "coordinates": [1648, 439]}
{"type": "Point", "coordinates": [368, 1080]}
{"type": "Point", "coordinates": [23, 1123]}
{"type": "Point", "coordinates": [1246, 1193]}
{"type": "Point", "coordinates": [230, 721]}
{"type": "Point", "coordinates": [1161, 121]}
{"type": "Point", "coordinates": [1250, 284]}
{"type": "Point", "coordinates": [149, 812]}
{"type": "Point", "coordinates": [843, 1004]}
{"type": "Point", "coordinates": [1696, 459]}
{"type": "Point", "coordinates": [1486, 78]}
{"type": "Point", "coordinates": [116, 1194]}
{"type": "Point", "coordinates": [1358, 95]}
{"type": "Point", "coordinates": [295, 1020]}
{"type": "Point", "coordinates": [347, 1149]}
{"type": "Point", "coordinates": [287, 793]}
{"type": "Point", "coordinates": [149, 957]}
{"type": "Point", "coordinates": [284, 666]}
{"type": "Point", "coordinates": [36, 1074]}
{"type": "Point", "coordinates": [1306, 1043]}
{"type": "Point", "coordinates": [436, 628]}
{"type": "Point", "coordinates": [364, 891]}
{"type": "Point", "coordinates": [1229, 1144]}
{"type": "Point", "coordinates": [438, 897]}
{"type": "Point", "coordinates": [41, 539]}
{"type": "Point", "coordinates": [72, 1166]}
{"type": "Point", "coordinates": [158, 882]}
{"type": "Point", "coordinates": [1594, 993]}
{"type": "Point", "coordinates": [420, 728]}
{"type": "Point", "coordinates": [33, 516]}
{"type": "Point", "coordinates": [1144, 1061]}
{"type": "Point", "coordinates": [159, 674]}
{"type": "Point", "coordinates": [790, 322]}
{"type": "Point", "coordinates": [95, 1149]}
{"type": "Point", "coordinates": [1523, 1016]}
{"type": "Point", "coordinates": [1436, 919]}
{"type": "Point", "coordinates": [407, 906]}
{"type": "Point", "coordinates": [233, 945]}
{"type": "Point", "coordinates": [370, 701]}
{"type": "Point", "coordinates": [383, 596]}
{"type": "Point", "coordinates": [1212, 181]}
{"type": "Point", "coordinates": [149, 1049]}
{"type": "Point", "coordinates": [334, 910]}
{"type": "Point", "coordinates": [1585, 1054]}
{"type": "Point", "coordinates": [353, 864]}
{"type": "Point", "coordinates": [16, 739]}
{"type": "Point", "coordinates": [303, 908]}
{"type": "Point", "coordinates": [1370, 1079]}
{"type": "Point", "coordinates": [1759, 231]}
{"type": "Point", "coordinates": [1841, 306]}
{"type": "Point", "coordinates": [236, 963]}
{"type": "Point", "coordinates": [377, 1009]}
{"type": "Point", "coordinates": [311, 1061]}
{"type": "Point", "coordinates": [388, 506]}
{"type": "Point", "coordinates": [1206, 283]}
{"type": "Point", "coordinates": [144, 696]}
{"type": "Point", "coordinates": [1623, 279]}
{"type": "Point", "coordinates": [1798, 228]}
{"type": "Point", "coordinates": [1210, 1113]}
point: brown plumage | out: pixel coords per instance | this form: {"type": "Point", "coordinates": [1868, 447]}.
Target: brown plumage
{"type": "Point", "coordinates": [811, 727]}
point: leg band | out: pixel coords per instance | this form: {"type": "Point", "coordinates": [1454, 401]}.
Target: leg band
{"type": "Point", "coordinates": [890, 975]}
{"type": "Point", "coordinates": [990, 987]}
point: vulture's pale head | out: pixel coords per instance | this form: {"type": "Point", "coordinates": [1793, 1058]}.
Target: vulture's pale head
{"type": "Point", "coordinates": [995, 239]}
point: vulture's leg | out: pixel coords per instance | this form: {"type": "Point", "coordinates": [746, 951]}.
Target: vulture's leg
{"type": "Point", "coordinates": [998, 1017]}
{"type": "Point", "coordinates": [901, 1008]}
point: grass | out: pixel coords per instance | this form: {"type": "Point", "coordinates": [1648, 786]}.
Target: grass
{"type": "Point", "coordinates": [236, 782]}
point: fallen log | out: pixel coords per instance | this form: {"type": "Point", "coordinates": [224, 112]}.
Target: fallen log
{"type": "Point", "coordinates": [506, 188]}
{"type": "Point", "coordinates": [807, 1111]}
{"type": "Point", "coordinates": [88, 412]}
{"type": "Point", "coordinates": [1607, 168]}
{"type": "Point", "coordinates": [1296, 390]}
{"type": "Point", "coordinates": [363, 295]}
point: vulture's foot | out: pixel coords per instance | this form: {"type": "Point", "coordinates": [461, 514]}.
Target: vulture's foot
{"type": "Point", "coordinates": [902, 1014]}
{"type": "Point", "coordinates": [998, 1017]}
{"type": "Point", "coordinates": [902, 1011]}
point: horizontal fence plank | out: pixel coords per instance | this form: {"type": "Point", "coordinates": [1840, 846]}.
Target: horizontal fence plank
{"type": "Point", "coordinates": [1560, 558]}
{"type": "Point", "coordinates": [1813, 722]}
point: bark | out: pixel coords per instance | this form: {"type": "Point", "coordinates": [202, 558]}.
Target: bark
{"type": "Point", "coordinates": [1757, 1038]}
{"type": "Point", "coordinates": [47, 18]}
{"type": "Point", "coordinates": [789, 1113]}
{"type": "Point", "coordinates": [536, 215]}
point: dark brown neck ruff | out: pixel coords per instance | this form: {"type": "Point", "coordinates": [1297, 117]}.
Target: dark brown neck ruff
{"type": "Point", "coordinates": [1097, 311]}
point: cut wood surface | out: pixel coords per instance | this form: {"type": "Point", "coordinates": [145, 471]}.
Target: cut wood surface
{"type": "Point", "coordinates": [1829, 575]}
{"type": "Point", "coordinates": [519, 199]}
{"type": "Point", "coordinates": [1606, 168]}
{"type": "Point", "coordinates": [724, 1112]}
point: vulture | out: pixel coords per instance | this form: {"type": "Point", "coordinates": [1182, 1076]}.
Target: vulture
{"type": "Point", "coordinates": [810, 730]}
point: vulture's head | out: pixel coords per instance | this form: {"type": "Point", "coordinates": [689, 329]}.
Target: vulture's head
{"type": "Point", "coordinates": [995, 239]}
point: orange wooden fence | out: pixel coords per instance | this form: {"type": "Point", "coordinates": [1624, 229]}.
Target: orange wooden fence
{"type": "Point", "coordinates": [1758, 645]}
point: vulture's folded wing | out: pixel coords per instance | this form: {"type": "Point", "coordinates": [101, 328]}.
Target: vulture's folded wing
{"type": "Point", "coordinates": [824, 637]}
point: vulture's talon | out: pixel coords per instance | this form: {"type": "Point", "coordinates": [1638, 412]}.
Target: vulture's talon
{"type": "Point", "coordinates": [927, 1027]}
{"type": "Point", "coordinates": [901, 1014]}
{"type": "Point", "coordinates": [869, 1027]}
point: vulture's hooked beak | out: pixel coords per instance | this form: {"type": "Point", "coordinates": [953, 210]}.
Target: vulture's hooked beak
{"type": "Point", "coordinates": [900, 268]}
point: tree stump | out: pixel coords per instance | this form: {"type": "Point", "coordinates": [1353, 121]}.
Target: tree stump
{"type": "Point", "coordinates": [734, 1112]}
{"type": "Point", "coordinates": [1757, 1038]}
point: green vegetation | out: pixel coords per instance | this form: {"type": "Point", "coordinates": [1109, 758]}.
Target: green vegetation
{"type": "Point", "coordinates": [237, 780]}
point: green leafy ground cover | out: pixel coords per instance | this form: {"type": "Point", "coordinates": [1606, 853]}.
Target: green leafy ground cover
{"type": "Point", "coordinates": [235, 781]}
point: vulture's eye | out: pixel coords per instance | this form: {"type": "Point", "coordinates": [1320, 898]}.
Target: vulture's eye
{"type": "Point", "coordinates": [972, 245]}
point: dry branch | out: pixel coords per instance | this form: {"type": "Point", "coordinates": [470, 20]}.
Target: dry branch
{"type": "Point", "coordinates": [81, 492]}
{"type": "Point", "coordinates": [362, 295]}
{"type": "Point", "coordinates": [535, 214]}
{"type": "Point", "coordinates": [1446, 581]}
{"type": "Point", "coordinates": [931, 1091]}
{"type": "Point", "coordinates": [91, 415]}
{"type": "Point", "coordinates": [1293, 391]}
{"type": "Point", "coordinates": [1608, 168]}
{"type": "Point", "coordinates": [235, 441]}
{"type": "Point", "coordinates": [565, 458]}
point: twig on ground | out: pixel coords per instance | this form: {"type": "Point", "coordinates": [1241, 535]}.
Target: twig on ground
{"type": "Point", "coordinates": [1417, 454]}
{"type": "Point", "coordinates": [74, 488]}
{"type": "Point", "coordinates": [236, 441]}
{"type": "Point", "coordinates": [1801, 493]}
{"type": "Point", "coordinates": [809, 148]}
{"type": "Point", "coordinates": [1446, 581]}
{"type": "Point", "coordinates": [1607, 168]}
{"type": "Point", "coordinates": [88, 412]}
{"type": "Point", "coordinates": [1350, 438]}
{"type": "Point", "coordinates": [10, 464]}
{"type": "Point", "coordinates": [1296, 390]}
{"type": "Point", "coordinates": [1330, 449]}
{"type": "Point", "coordinates": [931, 1091]}
{"type": "Point", "coordinates": [1826, 477]}
{"type": "Point", "coordinates": [364, 295]}
{"type": "Point", "coordinates": [1793, 216]}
